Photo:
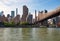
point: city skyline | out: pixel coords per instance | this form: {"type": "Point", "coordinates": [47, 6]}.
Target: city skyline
{"type": "Point", "coordinates": [10, 5]}
{"type": "Point", "coordinates": [27, 17]}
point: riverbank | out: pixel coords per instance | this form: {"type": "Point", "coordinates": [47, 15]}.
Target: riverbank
{"type": "Point", "coordinates": [28, 26]}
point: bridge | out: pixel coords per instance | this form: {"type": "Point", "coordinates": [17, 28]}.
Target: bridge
{"type": "Point", "coordinates": [48, 15]}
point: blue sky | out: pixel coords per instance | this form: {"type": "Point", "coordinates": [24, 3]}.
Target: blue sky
{"type": "Point", "coordinates": [8, 5]}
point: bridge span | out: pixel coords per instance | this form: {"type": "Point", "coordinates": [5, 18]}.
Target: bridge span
{"type": "Point", "coordinates": [48, 15]}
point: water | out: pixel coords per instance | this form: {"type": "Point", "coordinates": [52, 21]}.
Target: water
{"type": "Point", "coordinates": [29, 34]}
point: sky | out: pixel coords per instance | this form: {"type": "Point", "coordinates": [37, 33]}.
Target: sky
{"type": "Point", "coordinates": [10, 5]}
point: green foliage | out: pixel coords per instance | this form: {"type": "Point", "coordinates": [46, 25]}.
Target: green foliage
{"type": "Point", "coordinates": [9, 24]}
{"type": "Point", "coordinates": [24, 23]}
{"type": "Point", "coordinates": [18, 24]}
{"type": "Point", "coordinates": [12, 24]}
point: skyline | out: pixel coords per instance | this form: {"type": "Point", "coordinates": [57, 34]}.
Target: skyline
{"type": "Point", "coordinates": [10, 5]}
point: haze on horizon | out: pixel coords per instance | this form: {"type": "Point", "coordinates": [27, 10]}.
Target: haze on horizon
{"type": "Point", "coordinates": [8, 5]}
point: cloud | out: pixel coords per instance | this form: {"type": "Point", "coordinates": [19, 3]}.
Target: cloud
{"type": "Point", "coordinates": [4, 8]}
{"type": "Point", "coordinates": [8, 2]}
{"type": "Point", "coordinates": [14, 2]}
{"type": "Point", "coordinates": [8, 5]}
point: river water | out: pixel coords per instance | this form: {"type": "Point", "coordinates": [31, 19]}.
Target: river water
{"type": "Point", "coordinates": [29, 34]}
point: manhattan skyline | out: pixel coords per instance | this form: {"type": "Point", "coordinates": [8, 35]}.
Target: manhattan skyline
{"type": "Point", "coordinates": [10, 5]}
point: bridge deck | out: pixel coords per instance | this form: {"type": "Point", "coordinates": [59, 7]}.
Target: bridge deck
{"type": "Point", "coordinates": [49, 15]}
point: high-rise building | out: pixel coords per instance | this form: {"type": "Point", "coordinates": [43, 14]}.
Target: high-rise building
{"type": "Point", "coordinates": [56, 20]}
{"type": "Point", "coordinates": [30, 18]}
{"type": "Point", "coordinates": [17, 19]}
{"type": "Point", "coordinates": [35, 16]}
{"type": "Point", "coordinates": [4, 19]}
{"type": "Point", "coordinates": [12, 14]}
{"type": "Point", "coordinates": [40, 13]}
{"type": "Point", "coordinates": [1, 13]}
{"type": "Point", "coordinates": [16, 11]}
{"type": "Point", "coordinates": [9, 17]}
{"type": "Point", "coordinates": [25, 13]}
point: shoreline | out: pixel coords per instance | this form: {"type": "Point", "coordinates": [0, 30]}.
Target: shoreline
{"type": "Point", "coordinates": [28, 26]}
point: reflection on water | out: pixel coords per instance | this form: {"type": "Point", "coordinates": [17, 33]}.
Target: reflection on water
{"type": "Point", "coordinates": [29, 34]}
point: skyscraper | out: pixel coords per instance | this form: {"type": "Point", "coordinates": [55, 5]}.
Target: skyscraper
{"type": "Point", "coordinates": [12, 14]}
{"type": "Point", "coordinates": [17, 19]}
{"type": "Point", "coordinates": [29, 18]}
{"type": "Point", "coordinates": [8, 17]}
{"type": "Point", "coordinates": [35, 16]}
{"type": "Point", "coordinates": [1, 13]}
{"type": "Point", "coordinates": [40, 13]}
{"type": "Point", "coordinates": [16, 11]}
{"type": "Point", "coordinates": [57, 19]}
{"type": "Point", "coordinates": [25, 13]}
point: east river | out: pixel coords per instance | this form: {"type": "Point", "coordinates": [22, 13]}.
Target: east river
{"type": "Point", "coordinates": [29, 34]}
